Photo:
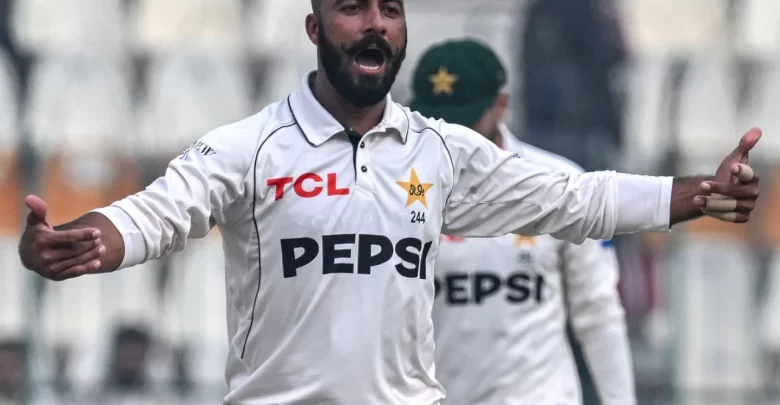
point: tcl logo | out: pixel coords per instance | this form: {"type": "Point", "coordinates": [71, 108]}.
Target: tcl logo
{"type": "Point", "coordinates": [307, 185]}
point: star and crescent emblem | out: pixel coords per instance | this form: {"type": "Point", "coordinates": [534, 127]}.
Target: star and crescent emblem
{"type": "Point", "coordinates": [415, 189]}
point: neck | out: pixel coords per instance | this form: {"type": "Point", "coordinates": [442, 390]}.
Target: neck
{"type": "Point", "coordinates": [495, 137]}
{"type": "Point", "coordinates": [359, 119]}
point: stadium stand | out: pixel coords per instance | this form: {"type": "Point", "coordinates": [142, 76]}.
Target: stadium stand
{"type": "Point", "coordinates": [284, 48]}
{"type": "Point", "coordinates": [716, 358]}
{"type": "Point", "coordinates": [707, 122]}
{"type": "Point", "coordinates": [647, 112]}
{"type": "Point", "coordinates": [269, 35]}
{"type": "Point", "coordinates": [164, 25]}
{"type": "Point", "coordinates": [190, 92]}
{"type": "Point", "coordinates": [102, 303]}
{"type": "Point", "coordinates": [10, 177]}
{"type": "Point", "coordinates": [42, 26]}
{"type": "Point", "coordinates": [758, 28]}
{"type": "Point", "coordinates": [12, 276]}
{"type": "Point", "coordinates": [708, 111]}
{"type": "Point", "coordinates": [12, 291]}
{"type": "Point", "coordinates": [84, 164]}
{"type": "Point", "coordinates": [716, 335]}
{"type": "Point", "coordinates": [193, 313]}
{"type": "Point", "coordinates": [770, 328]}
{"type": "Point", "coordinates": [760, 110]}
{"type": "Point", "coordinates": [673, 26]}
{"type": "Point", "coordinates": [761, 107]}
{"type": "Point", "coordinates": [84, 154]}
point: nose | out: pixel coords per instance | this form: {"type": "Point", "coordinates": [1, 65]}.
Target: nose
{"type": "Point", "coordinates": [374, 21]}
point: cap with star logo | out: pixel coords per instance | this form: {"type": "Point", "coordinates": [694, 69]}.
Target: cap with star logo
{"type": "Point", "coordinates": [457, 81]}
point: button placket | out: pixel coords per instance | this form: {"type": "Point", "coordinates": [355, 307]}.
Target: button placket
{"type": "Point", "coordinates": [363, 163]}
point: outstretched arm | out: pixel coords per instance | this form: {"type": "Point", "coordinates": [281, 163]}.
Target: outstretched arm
{"type": "Point", "coordinates": [198, 191]}
{"type": "Point", "coordinates": [496, 193]}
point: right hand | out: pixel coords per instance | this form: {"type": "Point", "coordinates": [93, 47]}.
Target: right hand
{"type": "Point", "coordinates": [57, 255]}
{"type": "Point", "coordinates": [731, 197]}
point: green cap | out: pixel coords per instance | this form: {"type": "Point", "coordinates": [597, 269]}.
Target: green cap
{"type": "Point", "coordinates": [457, 81]}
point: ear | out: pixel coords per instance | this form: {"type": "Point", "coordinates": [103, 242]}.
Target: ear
{"type": "Point", "coordinates": [501, 104]}
{"type": "Point", "coordinates": [502, 100]}
{"type": "Point", "coordinates": [312, 25]}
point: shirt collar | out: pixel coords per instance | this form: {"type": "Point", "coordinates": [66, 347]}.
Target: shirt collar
{"type": "Point", "coordinates": [318, 125]}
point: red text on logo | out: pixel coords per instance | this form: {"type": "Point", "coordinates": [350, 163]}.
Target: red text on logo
{"type": "Point", "coordinates": [307, 185]}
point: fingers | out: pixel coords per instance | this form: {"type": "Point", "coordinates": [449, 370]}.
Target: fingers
{"type": "Point", "coordinates": [57, 254]}
{"type": "Point", "coordinates": [730, 202]}
{"type": "Point", "coordinates": [76, 271]}
{"type": "Point", "coordinates": [733, 217]}
{"type": "Point", "coordinates": [83, 263]}
{"type": "Point", "coordinates": [66, 239]}
{"type": "Point", "coordinates": [721, 204]}
{"type": "Point", "coordinates": [737, 191]}
{"type": "Point", "coordinates": [743, 172]}
{"type": "Point", "coordinates": [747, 142]}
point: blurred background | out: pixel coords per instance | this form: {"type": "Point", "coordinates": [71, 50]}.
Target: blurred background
{"type": "Point", "coordinates": [96, 96]}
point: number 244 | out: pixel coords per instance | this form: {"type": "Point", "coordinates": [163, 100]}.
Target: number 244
{"type": "Point", "coordinates": [418, 217]}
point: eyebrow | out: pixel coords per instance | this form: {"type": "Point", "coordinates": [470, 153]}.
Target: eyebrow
{"type": "Point", "coordinates": [339, 2]}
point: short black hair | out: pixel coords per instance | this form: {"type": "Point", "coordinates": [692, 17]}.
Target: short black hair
{"type": "Point", "coordinates": [315, 6]}
{"type": "Point", "coordinates": [131, 334]}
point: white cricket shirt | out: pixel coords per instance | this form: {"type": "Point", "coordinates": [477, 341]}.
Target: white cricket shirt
{"type": "Point", "coordinates": [501, 309]}
{"type": "Point", "coordinates": [330, 245]}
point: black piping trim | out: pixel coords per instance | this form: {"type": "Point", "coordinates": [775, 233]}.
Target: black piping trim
{"type": "Point", "coordinates": [296, 122]}
{"type": "Point", "coordinates": [409, 125]}
{"type": "Point", "coordinates": [257, 232]}
{"type": "Point", "coordinates": [452, 163]}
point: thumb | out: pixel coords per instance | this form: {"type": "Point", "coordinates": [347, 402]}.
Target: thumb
{"type": "Point", "coordinates": [746, 143]}
{"type": "Point", "coordinates": [37, 208]}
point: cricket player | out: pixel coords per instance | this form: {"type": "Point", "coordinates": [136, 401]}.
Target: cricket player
{"type": "Point", "coordinates": [502, 303]}
{"type": "Point", "coordinates": [330, 204]}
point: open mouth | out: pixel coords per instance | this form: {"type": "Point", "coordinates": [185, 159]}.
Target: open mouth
{"type": "Point", "coordinates": [370, 60]}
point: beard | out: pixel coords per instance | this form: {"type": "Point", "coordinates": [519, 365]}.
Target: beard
{"type": "Point", "coordinates": [359, 90]}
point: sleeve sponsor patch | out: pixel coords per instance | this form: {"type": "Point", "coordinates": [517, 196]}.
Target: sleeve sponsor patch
{"type": "Point", "coordinates": [197, 147]}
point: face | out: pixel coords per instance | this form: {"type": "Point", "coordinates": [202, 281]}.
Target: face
{"type": "Point", "coordinates": [131, 357]}
{"type": "Point", "coordinates": [361, 45]}
{"type": "Point", "coordinates": [488, 123]}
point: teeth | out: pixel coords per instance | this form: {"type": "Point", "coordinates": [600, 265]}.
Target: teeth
{"type": "Point", "coordinates": [372, 68]}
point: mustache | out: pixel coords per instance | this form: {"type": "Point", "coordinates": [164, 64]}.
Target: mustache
{"type": "Point", "coordinates": [367, 41]}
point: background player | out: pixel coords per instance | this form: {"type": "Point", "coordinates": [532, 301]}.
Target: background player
{"type": "Point", "coordinates": [502, 303]}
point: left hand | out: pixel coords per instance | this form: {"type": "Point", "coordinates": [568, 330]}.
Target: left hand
{"type": "Point", "coordinates": [731, 197]}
